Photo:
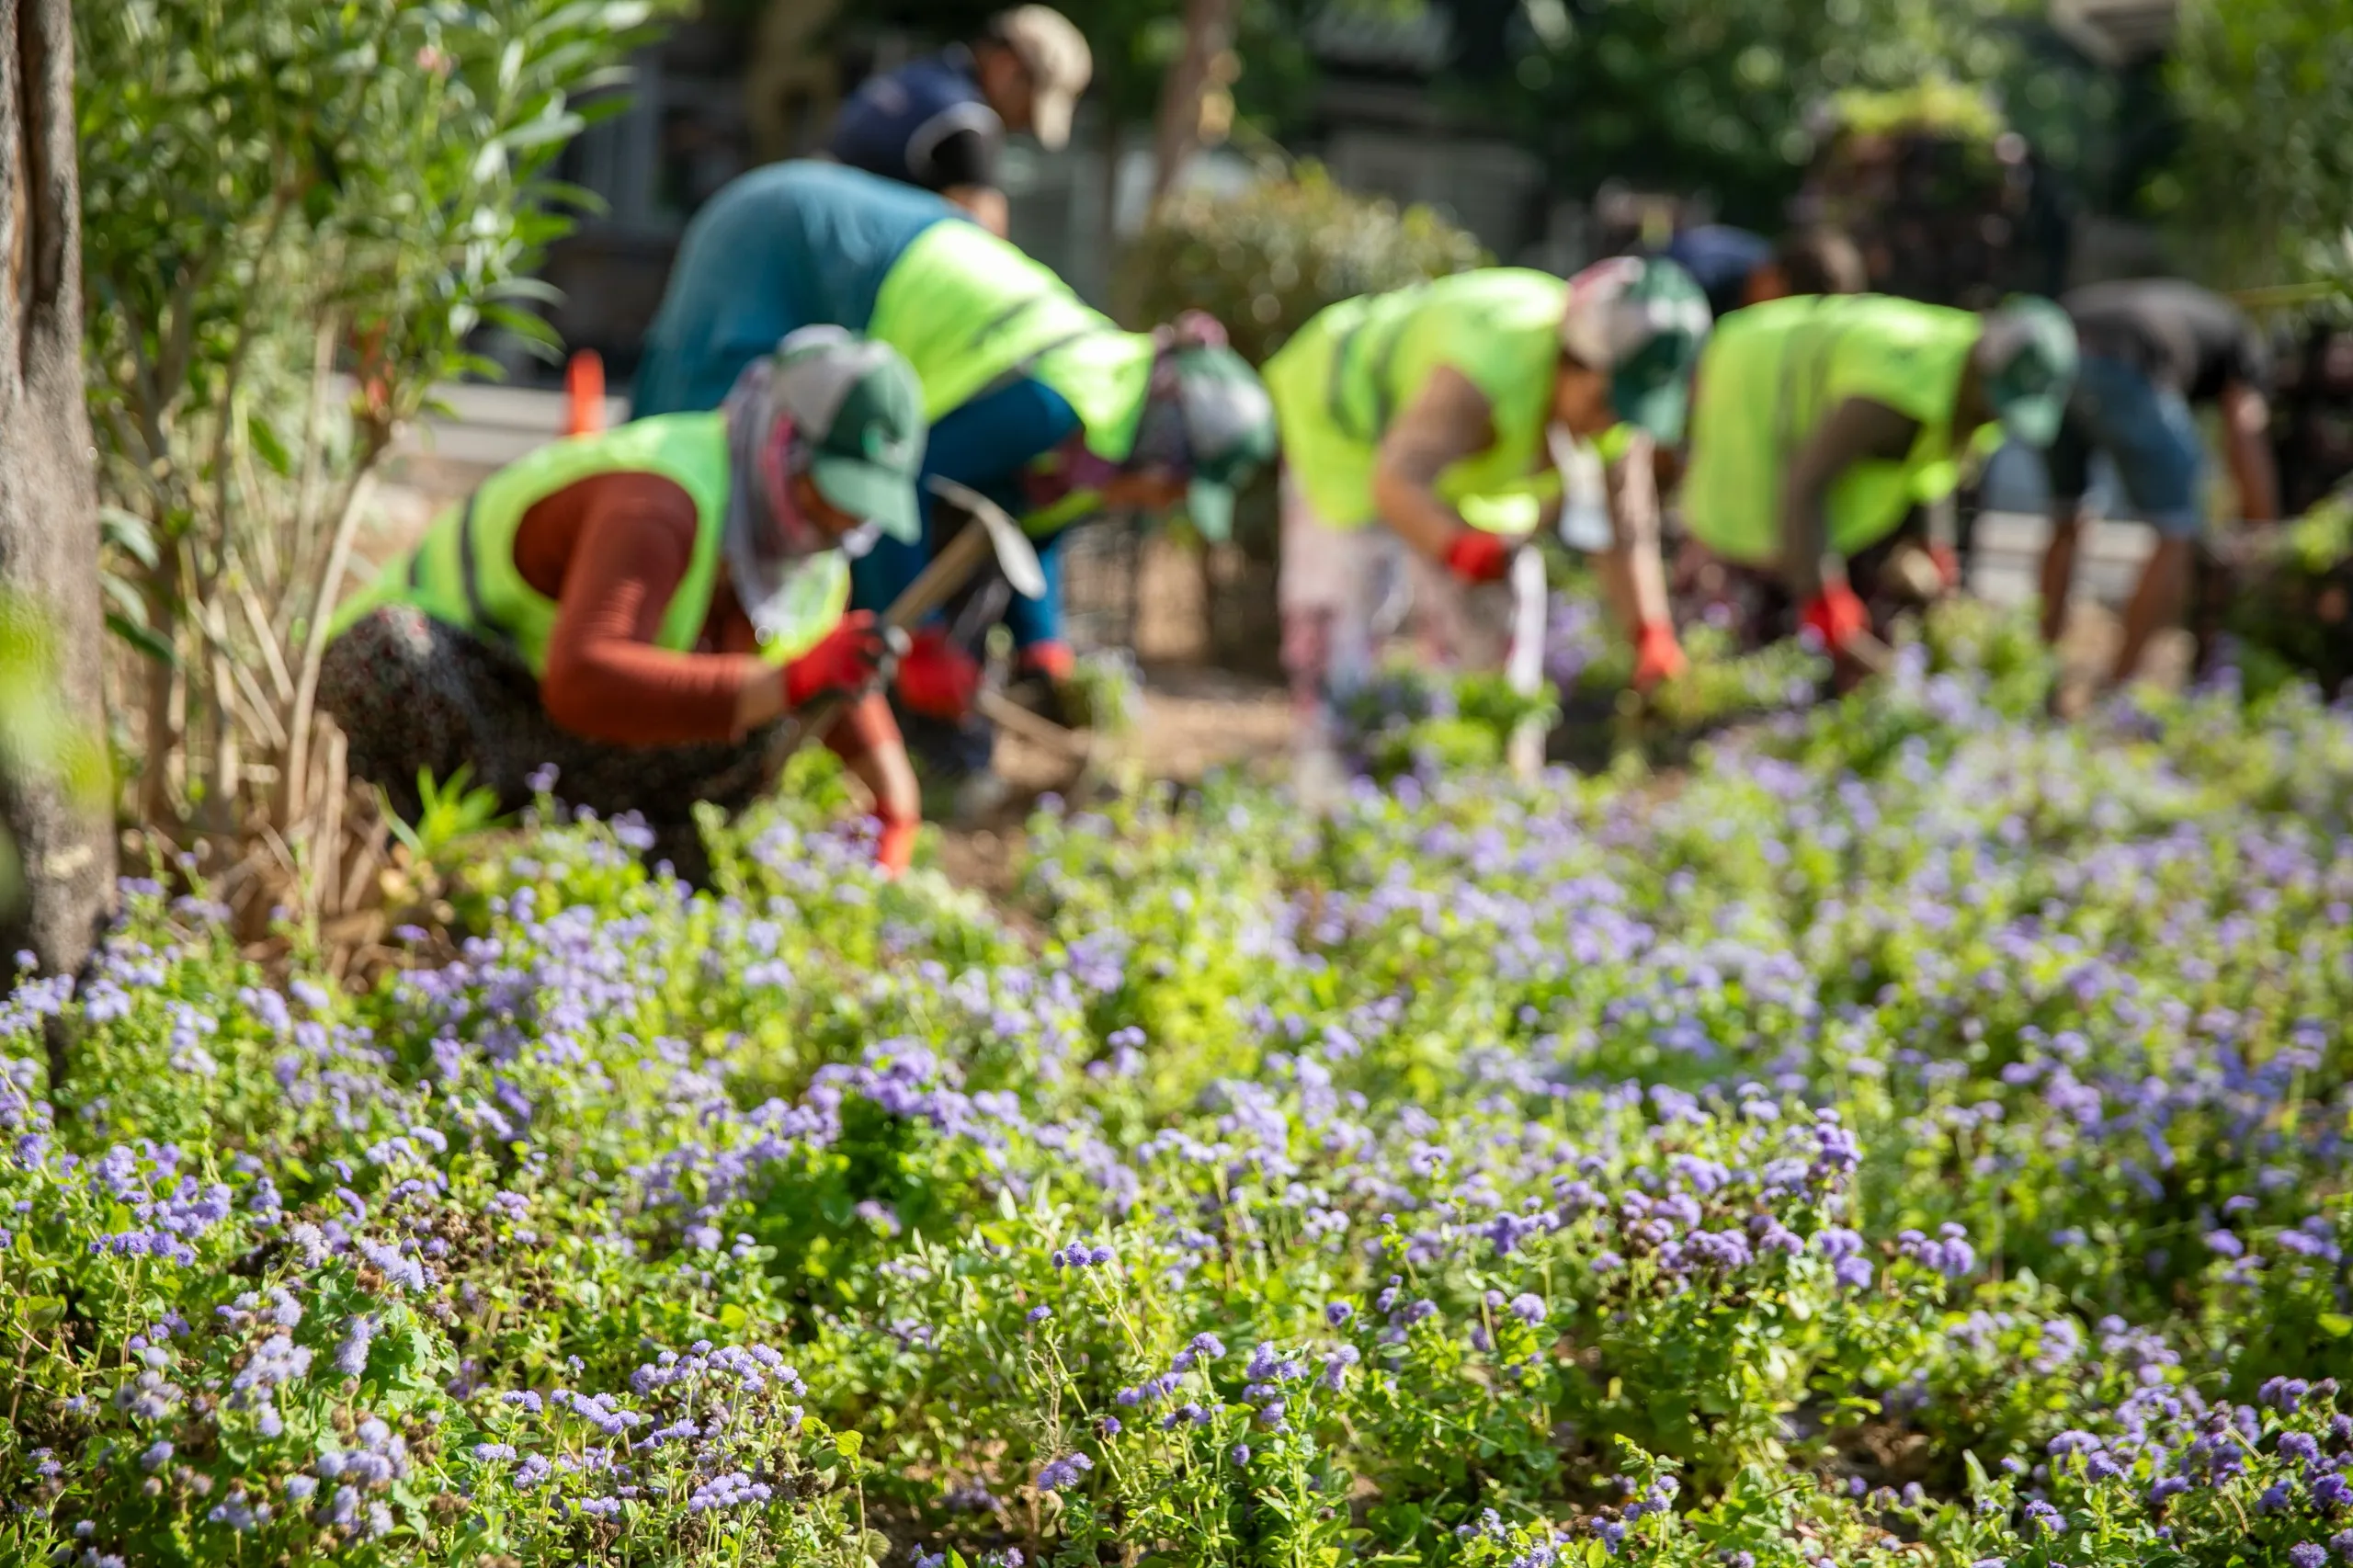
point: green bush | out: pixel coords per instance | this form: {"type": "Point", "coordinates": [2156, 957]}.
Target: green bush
{"type": "Point", "coordinates": [1265, 260]}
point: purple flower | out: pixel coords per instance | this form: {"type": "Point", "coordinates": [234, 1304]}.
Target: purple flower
{"type": "Point", "coordinates": [1057, 1475]}
{"type": "Point", "coordinates": [351, 1355]}
{"type": "Point", "coordinates": [2305, 1554]}
{"type": "Point", "coordinates": [1240, 1455]}
{"type": "Point", "coordinates": [1528, 1307]}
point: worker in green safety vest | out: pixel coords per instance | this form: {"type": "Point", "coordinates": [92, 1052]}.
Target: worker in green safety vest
{"type": "Point", "coordinates": [1023, 382]}
{"type": "Point", "coordinates": [1818, 423]}
{"type": "Point", "coordinates": [629, 615]}
{"type": "Point", "coordinates": [1446, 412]}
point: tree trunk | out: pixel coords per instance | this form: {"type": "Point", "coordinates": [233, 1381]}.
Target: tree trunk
{"type": "Point", "coordinates": [48, 527]}
{"type": "Point", "coordinates": [1178, 129]}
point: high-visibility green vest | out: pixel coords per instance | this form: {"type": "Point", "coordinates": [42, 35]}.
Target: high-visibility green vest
{"type": "Point", "coordinates": [462, 572]}
{"type": "Point", "coordinates": [969, 311]}
{"type": "Point", "coordinates": [1772, 373]}
{"type": "Point", "coordinates": [1344, 377]}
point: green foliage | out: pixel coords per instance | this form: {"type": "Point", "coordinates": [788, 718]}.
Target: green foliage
{"type": "Point", "coordinates": [1913, 1133]}
{"type": "Point", "coordinates": [2291, 611]}
{"type": "Point", "coordinates": [1267, 259]}
{"type": "Point", "coordinates": [274, 191]}
{"type": "Point", "coordinates": [2262, 192]}
{"type": "Point", "coordinates": [1693, 95]}
{"type": "Point", "coordinates": [450, 814]}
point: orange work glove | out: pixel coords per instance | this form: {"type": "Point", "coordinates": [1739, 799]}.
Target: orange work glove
{"type": "Point", "coordinates": [1657, 655]}
{"type": "Point", "coordinates": [852, 656]}
{"type": "Point", "coordinates": [895, 846]}
{"type": "Point", "coordinates": [936, 678]}
{"type": "Point", "coordinates": [1478, 556]}
{"type": "Point", "coordinates": [1054, 660]}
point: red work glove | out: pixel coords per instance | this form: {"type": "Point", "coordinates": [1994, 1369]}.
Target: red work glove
{"type": "Point", "coordinates": [895, 846]}
{"type": "Point", "coordinates": [851, 657]}
{"type": "Point", "coordinates": [936, 678]}
{"type": "Point", "coordinates": [1052, 660]}
{"type": "Point", "coordinates": [1657, 655]}
{"type": "Point", "coordinates": [1948, 562]}
{"type": "Point", "coordinates": [1837, 617]}
{"type": "Point", "coordinates": [1478, 556]}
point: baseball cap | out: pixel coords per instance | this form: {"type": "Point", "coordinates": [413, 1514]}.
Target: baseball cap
{"type": "Point", "coordinates": [1643, 320]}
{"type": "Point", "coordinates": [858, 406]}
{"type": "Point", "coordinates": [2026, 360]}
{"type": "Point", "coordinates": [1228, 431]}
{"type": "Point", "coordinates": [846, 412]}
{"type": "Point", "coordinates": [1058, 63]}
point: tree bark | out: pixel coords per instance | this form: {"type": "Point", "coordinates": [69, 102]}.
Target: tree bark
{"type": "Point", "coordinates": [1178, 131]}
{"type": "Point", "coordinates": [49, 524]}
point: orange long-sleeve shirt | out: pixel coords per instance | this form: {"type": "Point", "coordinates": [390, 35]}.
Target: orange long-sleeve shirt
{"type": "Point", "coordinates": [611, 550]}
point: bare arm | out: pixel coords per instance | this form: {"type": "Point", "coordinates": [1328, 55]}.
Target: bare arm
{"type": "Point", "coordinates": [2246, 423]}
{"type": "Point", "coordinates": [1451, 420]}
{"type": "Point", "coordinates": [1858, 430]}
{"type": "Point", "coordinates": [1633, 522]}
{"type": "Point", "coordinates": [986, 203]}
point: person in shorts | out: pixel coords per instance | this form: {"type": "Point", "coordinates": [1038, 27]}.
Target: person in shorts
{"type": "Point", "coordinates": [2155, 350]}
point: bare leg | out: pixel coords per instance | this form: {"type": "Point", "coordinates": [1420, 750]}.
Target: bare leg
{"type": "Point", "coordinates": [2059, 572]}
{"type": "Point", "coordinates": [1617, 569]}
{"type": "Point", "coordinates": [2157, 600]}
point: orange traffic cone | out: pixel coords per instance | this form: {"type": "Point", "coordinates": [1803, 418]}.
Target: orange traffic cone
{"type": "Point", "coordinates": [583, 393]}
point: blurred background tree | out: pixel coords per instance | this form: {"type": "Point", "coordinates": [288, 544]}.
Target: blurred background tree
{"type": "Point", "coordinates": [56, 841]}
{"type": "Point", "coordinates": [2262, 191]}
{"type": "Point", "coordinates": [1263, 260]}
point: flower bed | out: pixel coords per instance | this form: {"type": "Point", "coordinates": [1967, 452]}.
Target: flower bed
{"type": "Point", "coordinates": [1913, 1134]}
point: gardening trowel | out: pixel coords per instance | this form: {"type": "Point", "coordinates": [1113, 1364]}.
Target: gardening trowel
{"type": "Point", "coordinates": [990, 535]}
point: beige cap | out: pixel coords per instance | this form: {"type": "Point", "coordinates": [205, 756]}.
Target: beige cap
{"type": "Point", "coordinates": [1059, 62]}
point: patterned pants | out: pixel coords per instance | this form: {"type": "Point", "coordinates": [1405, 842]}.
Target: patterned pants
{"type": "Point", "coordinates": [414, 695]}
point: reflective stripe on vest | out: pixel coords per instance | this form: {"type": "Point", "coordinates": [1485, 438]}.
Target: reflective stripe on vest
{"type": "Point", "coordinates": [969, 312]}
{"type": "Point", "coordinates": [1772, 373]}
{"type": "Point", "coordinates": [462, 572]}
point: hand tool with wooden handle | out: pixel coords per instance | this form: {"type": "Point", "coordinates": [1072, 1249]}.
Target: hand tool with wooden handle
{"type": "Point", "coordinates": [991, 535]}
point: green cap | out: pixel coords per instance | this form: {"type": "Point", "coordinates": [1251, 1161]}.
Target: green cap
{"type": "Point", "coordinates": [1228, 431]}
{"type": "Point", "coordinates": [857, 404]}
{"type": "Point", "coordinates": [2026, 360]}
{"type": "Point", "coordinates": [1643, 320]}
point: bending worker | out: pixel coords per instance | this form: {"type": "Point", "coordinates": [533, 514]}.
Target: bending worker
{"type": "Point", "coordinates": [2154, 349]}
{"type": "Point", "coordinates": [1433, 410]}
{"type": "Point", "coordinates": [1191, 424]}
{"type": "Point", "coordinates": [639, 609]}
{"type": "Point", "coordinates": [1034, 397]}
{"type": "Point", "coordinates": [939, 122]}
{"type": "Point", "coordinates": [1819, 423]}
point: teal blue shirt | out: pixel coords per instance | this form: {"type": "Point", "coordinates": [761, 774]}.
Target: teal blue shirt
{"type": "Point", "coordinates": [789, 246]}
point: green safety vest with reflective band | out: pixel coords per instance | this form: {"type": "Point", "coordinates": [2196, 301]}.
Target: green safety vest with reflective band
{"type": "Point", "coordinates": [462, 572]}
{"type": "Point", "coordinates": [969, 311]}
{"type": "Point", "coordinates": [1344, 377]}
{"type": "Point", "coordinates": [1772, 373]}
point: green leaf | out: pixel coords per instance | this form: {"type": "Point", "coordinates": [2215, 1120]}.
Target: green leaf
{"type": "Point", "coordinates": [127, 532]}
{"type": "Point", "coordinates": [267, 446]}
{"type": "Point", "coordinates": [142, 638]}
